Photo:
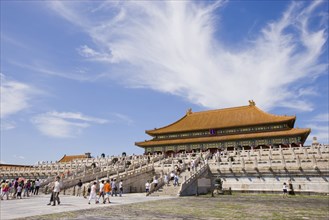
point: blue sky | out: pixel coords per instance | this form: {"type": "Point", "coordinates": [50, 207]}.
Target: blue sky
{"type": "Point", "coordinates": [92, 76]}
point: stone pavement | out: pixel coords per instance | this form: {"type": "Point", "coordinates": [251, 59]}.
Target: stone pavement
{"type": "Point", "coordinates": [37, 205]}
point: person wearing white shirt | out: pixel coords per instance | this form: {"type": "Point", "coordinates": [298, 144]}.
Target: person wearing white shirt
{"type": "Point", "coordinates": [93, 194]}
{"type": "Point", "coordinates": [37, 186]}
{"type": "Point", "coordinates": [101, 190]}
{"type": "Point", "coordinates": [147, 187]}
{"type": "Point", "coordinates": [55, 194]}
{"type": "Point", "coordinates": [120, 188]}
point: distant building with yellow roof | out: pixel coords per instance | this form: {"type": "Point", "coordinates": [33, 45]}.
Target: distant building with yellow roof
{"type": "Point", "coordinates": [244, 126]}
{"type": "Point", "coordinates": [69, 158]}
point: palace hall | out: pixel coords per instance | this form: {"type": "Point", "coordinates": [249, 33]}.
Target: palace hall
{"type": "Point", "coordinates": [225, 129]}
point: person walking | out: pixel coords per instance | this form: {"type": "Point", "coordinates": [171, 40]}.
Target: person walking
{"type": "Point", "coordinates": [37, 187]}
{"type": "Point", "coordinates": [93, 194]}
{"type": "Point", "coordinates": [285, 190]}
{"type": "Point", "coordinates": [114, 187]}
{"type": "Point", "coordinates": [79, 185]}
{"type": "Point", "coordinates": [176, 180]}
{"type": "Point", "coordinates": [19, 191]}
{"type": "Point", "coordinates": [16, 183]}
{"type": "Point", "coordinates": [155, 182]}
{"type": "Point", "coordinates": [55, 193]}
{"type": "Point", "coordinates": [101, 190]}
{"type": "Point", "coordinates": [147, 187]}
{"type": "Point", "coordinates": [107, 191]}
{"type": "Point", "coordinates": [120, 188]}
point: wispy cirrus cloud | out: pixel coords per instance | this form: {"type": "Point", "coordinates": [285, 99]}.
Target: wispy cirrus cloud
{"type": "Point", "coordinates": [123, 118]}
{"type": "Point", "coordinates": [64, 124]}
{"type": "Point", "coordinates": [15, 97]}
{"type": "Point", "coordinates": [171, 47]}
{"type": "Point", "coordinates": [46, 69]}
{"type": "Point", "coordinates": [321, 118]}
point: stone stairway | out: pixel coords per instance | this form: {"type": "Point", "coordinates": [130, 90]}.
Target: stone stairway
{"type": "Point", "coordinates": [170, 189]}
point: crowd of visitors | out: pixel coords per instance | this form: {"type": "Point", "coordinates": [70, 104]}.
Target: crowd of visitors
{"type": "Point", "coordinates": [103, 190]}
{"type": "Point", "coordinates": [16, 188]}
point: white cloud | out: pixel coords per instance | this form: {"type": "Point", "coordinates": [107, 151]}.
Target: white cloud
{"type": "Point", "coordinates": [321, 117]}
{"type": "Point", "coordinates": [124, 118]}
{"type": "Point", "coordinates": [64, 124]}
{"type": "Point", "coordinates": [15, 96]}
{"type": "Point", "coordinates": [78, 74]}
{"type": "Point", "coordinates": [320, 127]}
{"type": "Point", "coordinates": [171, 47]}
{"type": "Point", "coordinates": [320, 131]}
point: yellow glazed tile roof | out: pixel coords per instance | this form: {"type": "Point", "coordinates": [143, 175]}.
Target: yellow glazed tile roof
{"type": "Point", "coordinates": [221, 118]}
{"type": "Point", "coordinates": [66, 158]}
{"type": "Point", "coordinates": [291, 132]}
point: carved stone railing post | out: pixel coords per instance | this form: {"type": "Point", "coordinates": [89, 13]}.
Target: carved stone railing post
{"type": "Point", "coordinates": [255, 163]}
{"type": "Point", "coordinates": [305, 152]}
{"type": "Point", "coordinates": [314, 161]}
{"type": "Point", "coordinates": [319, 152]}
{"type": "Point", "coordinates": [298, 162]}
{"type": "Point", "coordinates": [283, 161]}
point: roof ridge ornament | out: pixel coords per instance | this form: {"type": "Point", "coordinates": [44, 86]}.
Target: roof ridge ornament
{"type": "Point", "coordinates": [189, 111]}
{"type": "Point", "coordinates": [251, 103]}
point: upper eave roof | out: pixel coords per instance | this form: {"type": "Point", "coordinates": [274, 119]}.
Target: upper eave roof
{"type": "Point", "coordinates": [292, 132]}
{"type": "Point", "coordinates": [221, 118]}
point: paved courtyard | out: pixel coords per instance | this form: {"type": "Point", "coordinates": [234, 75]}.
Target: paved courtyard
{"type": "Point", "coordinates": [139, 207]}
{"type": "Point", "coordinates": [37, 205]}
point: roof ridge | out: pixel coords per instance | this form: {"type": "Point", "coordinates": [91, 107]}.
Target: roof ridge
{"type": "Point", "coordinates": [222, 109]}
{"type": "Point", "coordinates": [273, 115]}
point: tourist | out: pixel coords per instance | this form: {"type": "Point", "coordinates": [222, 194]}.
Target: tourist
{"type": "Point", "coordinates": [26, 188]}
{"type": "Point", "coordinates": [155, 182]}
{"type": "Point", "coordinates": [176, 180]}
{"type": "Point", "coordinates": [290, 188]}
{"type": "Point", "coordinates": [101, 190]}
{"type": "Point", "coordinates": [107, 191]}
{"type": "Point", "coordinates": [11, 189]}
{"type": "Point", "coordinates": [93, 194]}
{"type": "Point", "coordinates": [285, 190]}
{"type": "Point", "coordinates": [114, 187]}
{"type": "Point", "coordinates": [16, 183]}
{"type": "Point", "coordinates": [89, 188]}
{"type": "Point", "coordinates": [120, 188]}
{"type": "Point", "coordinates": [19, 191]}
{"type": "Point", "coordinates": [37, 186]}
{"type": "Point", "coordinates": [147, 187]}
{"type": "Point", "coordinates": [79, 185]}
{"type": "Point", "coordinates": [5, 189]}
{"type": "Point", "coordinates": [55, 193]}
{"type": "Point", "coordinates": [32, 186]}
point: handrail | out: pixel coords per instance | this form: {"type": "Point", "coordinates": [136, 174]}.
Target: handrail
{"type": "Point", "coordinates": [194, 176]}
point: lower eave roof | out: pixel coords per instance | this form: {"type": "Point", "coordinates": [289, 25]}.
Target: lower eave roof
{"type": "Point", "coordinates": [292, 132]}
